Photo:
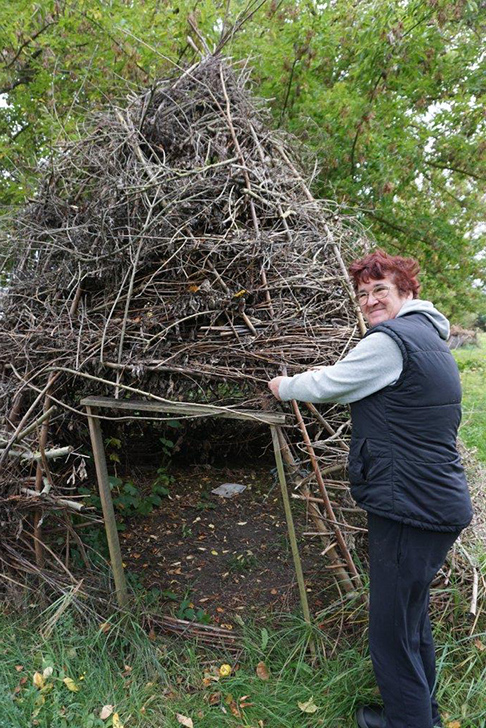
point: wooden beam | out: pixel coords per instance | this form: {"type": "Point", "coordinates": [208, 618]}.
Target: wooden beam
{"type": "Point", "coordinates": [186, 409]}
{"type": "Point", "coordinates": [107, 505]}
{"type": "Point", "coordinates": [290, 525]}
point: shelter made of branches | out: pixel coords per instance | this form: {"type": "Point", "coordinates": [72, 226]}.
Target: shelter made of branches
{"type": "Point", "coordinates": [173, 251]}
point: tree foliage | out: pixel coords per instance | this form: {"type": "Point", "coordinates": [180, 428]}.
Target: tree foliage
{"type": "Point", "coordinates": [388, 96]}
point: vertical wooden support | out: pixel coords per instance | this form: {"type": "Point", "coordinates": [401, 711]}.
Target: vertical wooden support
{"type": "Point", "coordinates": [290, 524]}
{"type": "Point", "coordinates": [107, 505]}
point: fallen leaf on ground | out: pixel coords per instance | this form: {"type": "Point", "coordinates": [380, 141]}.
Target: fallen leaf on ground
{"type": "Point", "coordinates": [38, 680]}
{"type": "Point", "coordinates": [214, 698]}
{"type": "Point", "coordinates": [70, 684]}
{"type": "Point", "coordinates": [244, 702]}
{"type": "Point", "coordinates": [47, 672]}
{"type": "Point", "coordinates": [479, 645]}
{"type": "Point", "coordinates": [231, 703]}
{"type": "Point", "coordinates": [308, 706]}
{"type": "Point", "coordinates": [211, 675]}
{"type": "Point", "coordinates": [106, 711]}
{"type": "Point", "coordinates": [262, 671]}
{"type": "Point", "coordinates": [454, 724]}
{"type": "Point", "coordinates": [184, 720]}
{"type": "Point", "coordinates": [116, 721]}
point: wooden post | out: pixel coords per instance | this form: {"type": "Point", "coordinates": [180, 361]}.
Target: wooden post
{"type": "Point", "coordinates": [290, 525]}
{"type": "Point", "coordinates": [107, 505]}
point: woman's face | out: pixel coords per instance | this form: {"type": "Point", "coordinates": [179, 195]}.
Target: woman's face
{"type": "Point", "coordinates": [383, 302]}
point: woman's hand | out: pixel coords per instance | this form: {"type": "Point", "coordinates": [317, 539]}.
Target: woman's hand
{"type": "Point", "coordinates": [274, 385]}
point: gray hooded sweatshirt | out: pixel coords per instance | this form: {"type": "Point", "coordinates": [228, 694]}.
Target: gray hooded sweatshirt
{"type": "Point", "coordinates": [374, 363]}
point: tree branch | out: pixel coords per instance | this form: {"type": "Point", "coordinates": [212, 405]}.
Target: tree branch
{"type": "Point", "coordinates": [287, 94]}
{"type": "Point", "coordinates": [244, 17]}
{"type": "Point", "coordinates": [399, 228]}
{"type": "Point", "coordinates": [443, 188]}
{"type": "Point", "coordinates": [28, 41]}
{"type": "Point", "coordinates": [364, 117]}
{"type": "Point", "coordinates": [26, 74]}
{"type": "Point", "coordinates": [453, 168]}
{"type": "Point", "coordinates": [372, 93]}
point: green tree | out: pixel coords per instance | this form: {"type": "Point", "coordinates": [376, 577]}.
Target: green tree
{"type": "Point", "coordinates": [64, 58]}
{"type": "Point", "coordinates": [388, 96]}
{"type": "Point", "coordinates": [391, 97]}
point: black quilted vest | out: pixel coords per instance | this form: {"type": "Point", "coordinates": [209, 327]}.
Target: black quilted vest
{"type": "Point", "coordinates": [403, 461]}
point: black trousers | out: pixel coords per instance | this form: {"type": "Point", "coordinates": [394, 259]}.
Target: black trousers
{"type": "Point", "coordinates": [403, 563]}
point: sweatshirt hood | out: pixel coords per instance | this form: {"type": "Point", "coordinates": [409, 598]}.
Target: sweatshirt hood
{"type": "Point", "coordinates": [427, 308]}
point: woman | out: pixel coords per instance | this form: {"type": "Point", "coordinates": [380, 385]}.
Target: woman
{"type": "Point", "coordinates": [404, 390]}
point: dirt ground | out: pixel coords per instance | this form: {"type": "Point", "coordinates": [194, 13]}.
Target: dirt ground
{"type": "Point", "coordinates": [223, 555]}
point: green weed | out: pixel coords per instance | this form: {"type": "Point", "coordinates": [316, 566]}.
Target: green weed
{"type": "Point", "coordinates": [187, 611]}
{"type": "Point", "coordinates": [242, 563]}
{"type": "Point", "coordinates": [129, 499]}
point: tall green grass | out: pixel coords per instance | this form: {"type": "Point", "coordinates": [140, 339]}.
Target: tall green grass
{"type": "Point", "coordinates": [150, 681]}
{"type": "Point", "coordinates": [118, 667]}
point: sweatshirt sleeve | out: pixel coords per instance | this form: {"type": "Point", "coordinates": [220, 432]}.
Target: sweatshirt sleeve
{"type": "Point", "coordinates": [374, 363]}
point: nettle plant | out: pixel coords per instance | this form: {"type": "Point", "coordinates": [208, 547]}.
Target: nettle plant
{"type": "Point", "coordinates": [129, 499]}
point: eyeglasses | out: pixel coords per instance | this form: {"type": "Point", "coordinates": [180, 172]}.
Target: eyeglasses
{"type": "Point", "coordinates": [379, 292]}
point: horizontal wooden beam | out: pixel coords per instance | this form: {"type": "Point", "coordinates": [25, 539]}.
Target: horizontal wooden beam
{"type": "Point", "coordinates": [185, 408]}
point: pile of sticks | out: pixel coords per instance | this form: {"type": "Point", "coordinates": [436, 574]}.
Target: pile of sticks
{"type": "Point", "coordinates": [176, 251]}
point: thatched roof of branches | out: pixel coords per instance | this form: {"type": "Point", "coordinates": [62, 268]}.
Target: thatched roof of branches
{"type": "Point", "coordinates": [150, 240]}
{"type": "Point", "coordinates": [176, 251]}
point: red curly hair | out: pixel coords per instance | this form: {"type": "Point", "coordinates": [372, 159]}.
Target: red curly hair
{"type": "Point", "coordinates": [376, 265]}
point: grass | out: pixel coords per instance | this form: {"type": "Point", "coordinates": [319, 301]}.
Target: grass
{"type": "Point", "coordinates": [150, 681]}
{"type": "Point", "coordinates": [116, 668]}
{"type": "Point", "coordinates": [471, 361]}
